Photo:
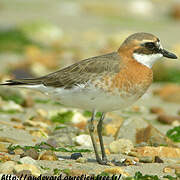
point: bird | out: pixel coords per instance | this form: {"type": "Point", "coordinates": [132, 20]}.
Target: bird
{"type": "Point", "coordinates": [103, 83]}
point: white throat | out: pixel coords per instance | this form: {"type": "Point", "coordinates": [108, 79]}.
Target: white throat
{"type": "Point", "coordinates": [147, 59]}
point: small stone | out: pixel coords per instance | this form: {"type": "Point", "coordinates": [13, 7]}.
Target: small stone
{"type": "Point", "coordinates": [33, 123]}
{"type": "Point", "coordinates": [23, 173]}
{"type": "Point", "coordinates": [14, 119]}
{"type": "Point", "coordinates": [81, 125]}
{"type": "Point", "coordinates": [8, 105]}
{"type": "Point", "coordinates": [107, 151]}
{"type": "Point", "coordinates": [75, 156]}
{"type": "Point", "coordinates": [161, 151]}
{"type": "Point", "coordinates": [7, 167]}
{"type": "Point", "coordinates": [156, 110]}
{"type": "Point", "coordinates": [28, 160]}
{"type": "Point", "coordinates": [77, 172]}
{"type": "Point", "coordinates": [48, 155]}
{"type": "Point", "coordinates": [167, 170]}
{"type": "Point", "coordinates": [136, 108]}
{"type": "Point", "coordinates": [83, 140]}
{"type": "Point", "coordinates": [146, 159]}
{"type": "Point", "coordinates": [81, 160]}
{"type": "Point", "coordinates": [19, 151]}
{"type": "Point", "coordinates": [136, 159]}
{"type": "Point", "coordinates": [28, 102]}
{"type": "Point", "coordinates": [33, 169]}
{"type": "Point", "coordinates": [78, 117]}
{"type": "Point", "coordinates": [175, 11]}
{"type": "Point", "coordinates": [158, 160]}
{"type": "Point", "coordinates": [116, 170]}
{"type": "Point", "coordinates": [151, 136]}
{"type": "Point", "coordinates": [11, 152]}
{"type": "Point", "coordinates": [163, 118]}
{"type": "Point", "coordinates": [52, 142]}
{"type": "Point", "coordinates": [19, 126]}
{"type": "Point", "coordinates": [128, 162]}
{"type": "Point", "coordinates": [169, 93]}
{"type": "Point", "coordinates": [123, 146]}
{"type": "Point", "coordinates": [112, 128]}
{"type": "Point", "coordinates": [31, 153]}
{"type": "Point", "coordinates": [175, 123]}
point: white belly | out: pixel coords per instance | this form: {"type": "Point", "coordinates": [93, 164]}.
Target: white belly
{"type": "Point", "coordinates": [88, 99]}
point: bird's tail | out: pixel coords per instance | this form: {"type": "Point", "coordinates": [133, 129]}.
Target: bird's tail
{"type": "Point", "coordinates": [19, 82]}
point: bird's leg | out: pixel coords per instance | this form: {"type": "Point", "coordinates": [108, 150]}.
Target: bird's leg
{"type": "Point", "coordinates": [91, 132]}
{"type": "Point", "coordinates": [99, 130]}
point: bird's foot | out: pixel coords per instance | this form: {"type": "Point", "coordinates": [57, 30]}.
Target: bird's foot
{"type": "Point", "coordinates": [103, 161]}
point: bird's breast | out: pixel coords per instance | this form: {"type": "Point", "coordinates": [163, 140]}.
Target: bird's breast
{"type": "Point", "coordinates": [132, 80]}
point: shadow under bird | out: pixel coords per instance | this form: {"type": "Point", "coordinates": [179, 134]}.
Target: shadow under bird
{"type": "Point", "coordinates": [103, 83]}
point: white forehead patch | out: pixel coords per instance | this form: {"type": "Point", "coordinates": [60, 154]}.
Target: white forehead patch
{"type": "Point", "coordinates": [147, 59]}
{"type": "Point", "coordinates": [159, 45]}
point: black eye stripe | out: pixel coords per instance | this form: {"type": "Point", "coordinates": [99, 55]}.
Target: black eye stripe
{"type": "Point", "coordinates": [150, 45]}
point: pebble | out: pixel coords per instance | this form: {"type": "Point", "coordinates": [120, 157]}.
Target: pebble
{"type": "Point", "coordinates": [146, 159]}
{"type": "Point", "coordinates": [52, 142]}
{"type": "Point", "coordinates": [28, 160]}
{"type": "Point", "coordinates": [12, 105]}
{"type": "Point", "coordinates": [33, 169]}
{"type": "Point", "coordinates": [48, 155]}
{"type": "Point", "coordinates": [18, 151]}
{"type": "Point", "coordinates": [175, 11]}
{"type": "Point", "coordinates": [11, 152]}
{"type": "Point", "coordinates": [77, 172]}
{"type": "Point", "coordinates": [128, 162]}
{"type": "Point", "coordinates": [31, 153]}
{"type": "Point", "coordinates": [169, 93]}
{"type": "Point", "coordinates": [14, 119]}
{"type": "Point", "coordinates": [81, 160]}
{"type": "Point", "coordinates": [7, 167]}
{"type": "Point", "coordinates": [157, 159]}
{"type": "Point", "coordinates": [116, 170]}
{"type": "Point", "coordinates": [167, 170]}
{"type": "Point", "coordinates": [161, 151]}
{"type": "Point", "coordinates": [75, 156]}
{"type": "Point", "coordinates": [23, 173]}
{"type": "Point", "coordinates": [78, 117]}
{"type": "Point", "coordinates": [156, 110]}
{"type": "Point", "coordinates": [83, 140]}
{"type": "Point", "coordinates": [123, 146]}
{"type": "Point", "coordinates": [28, 102]}
{"type": "Point", "coordinates": [163, 118]}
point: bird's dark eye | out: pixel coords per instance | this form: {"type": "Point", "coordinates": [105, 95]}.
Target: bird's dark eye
{"type": "Point", "coordinates": [150, 45]}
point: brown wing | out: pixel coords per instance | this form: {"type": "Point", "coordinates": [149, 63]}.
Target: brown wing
{"type": "Point", "coordinates": [77, 73]}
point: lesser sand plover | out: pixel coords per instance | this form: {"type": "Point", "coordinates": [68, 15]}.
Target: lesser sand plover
{"type": "Point", "coordinates": [103, 83]}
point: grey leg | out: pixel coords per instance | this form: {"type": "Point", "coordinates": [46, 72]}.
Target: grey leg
{"type": "Point", "coordinates": [99, 130]}
{"type": "Point", "coordinates": [91, 132]}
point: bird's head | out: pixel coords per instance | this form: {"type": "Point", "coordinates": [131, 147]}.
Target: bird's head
{"type": "Point", "coordinates": [145, 48]}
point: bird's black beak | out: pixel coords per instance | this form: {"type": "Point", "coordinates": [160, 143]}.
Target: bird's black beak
{"type": "Point", "coordinates": [168, 54]}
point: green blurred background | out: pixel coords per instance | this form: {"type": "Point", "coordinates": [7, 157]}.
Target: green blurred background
{"type": "Point", "coordinates": [40, 36]}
